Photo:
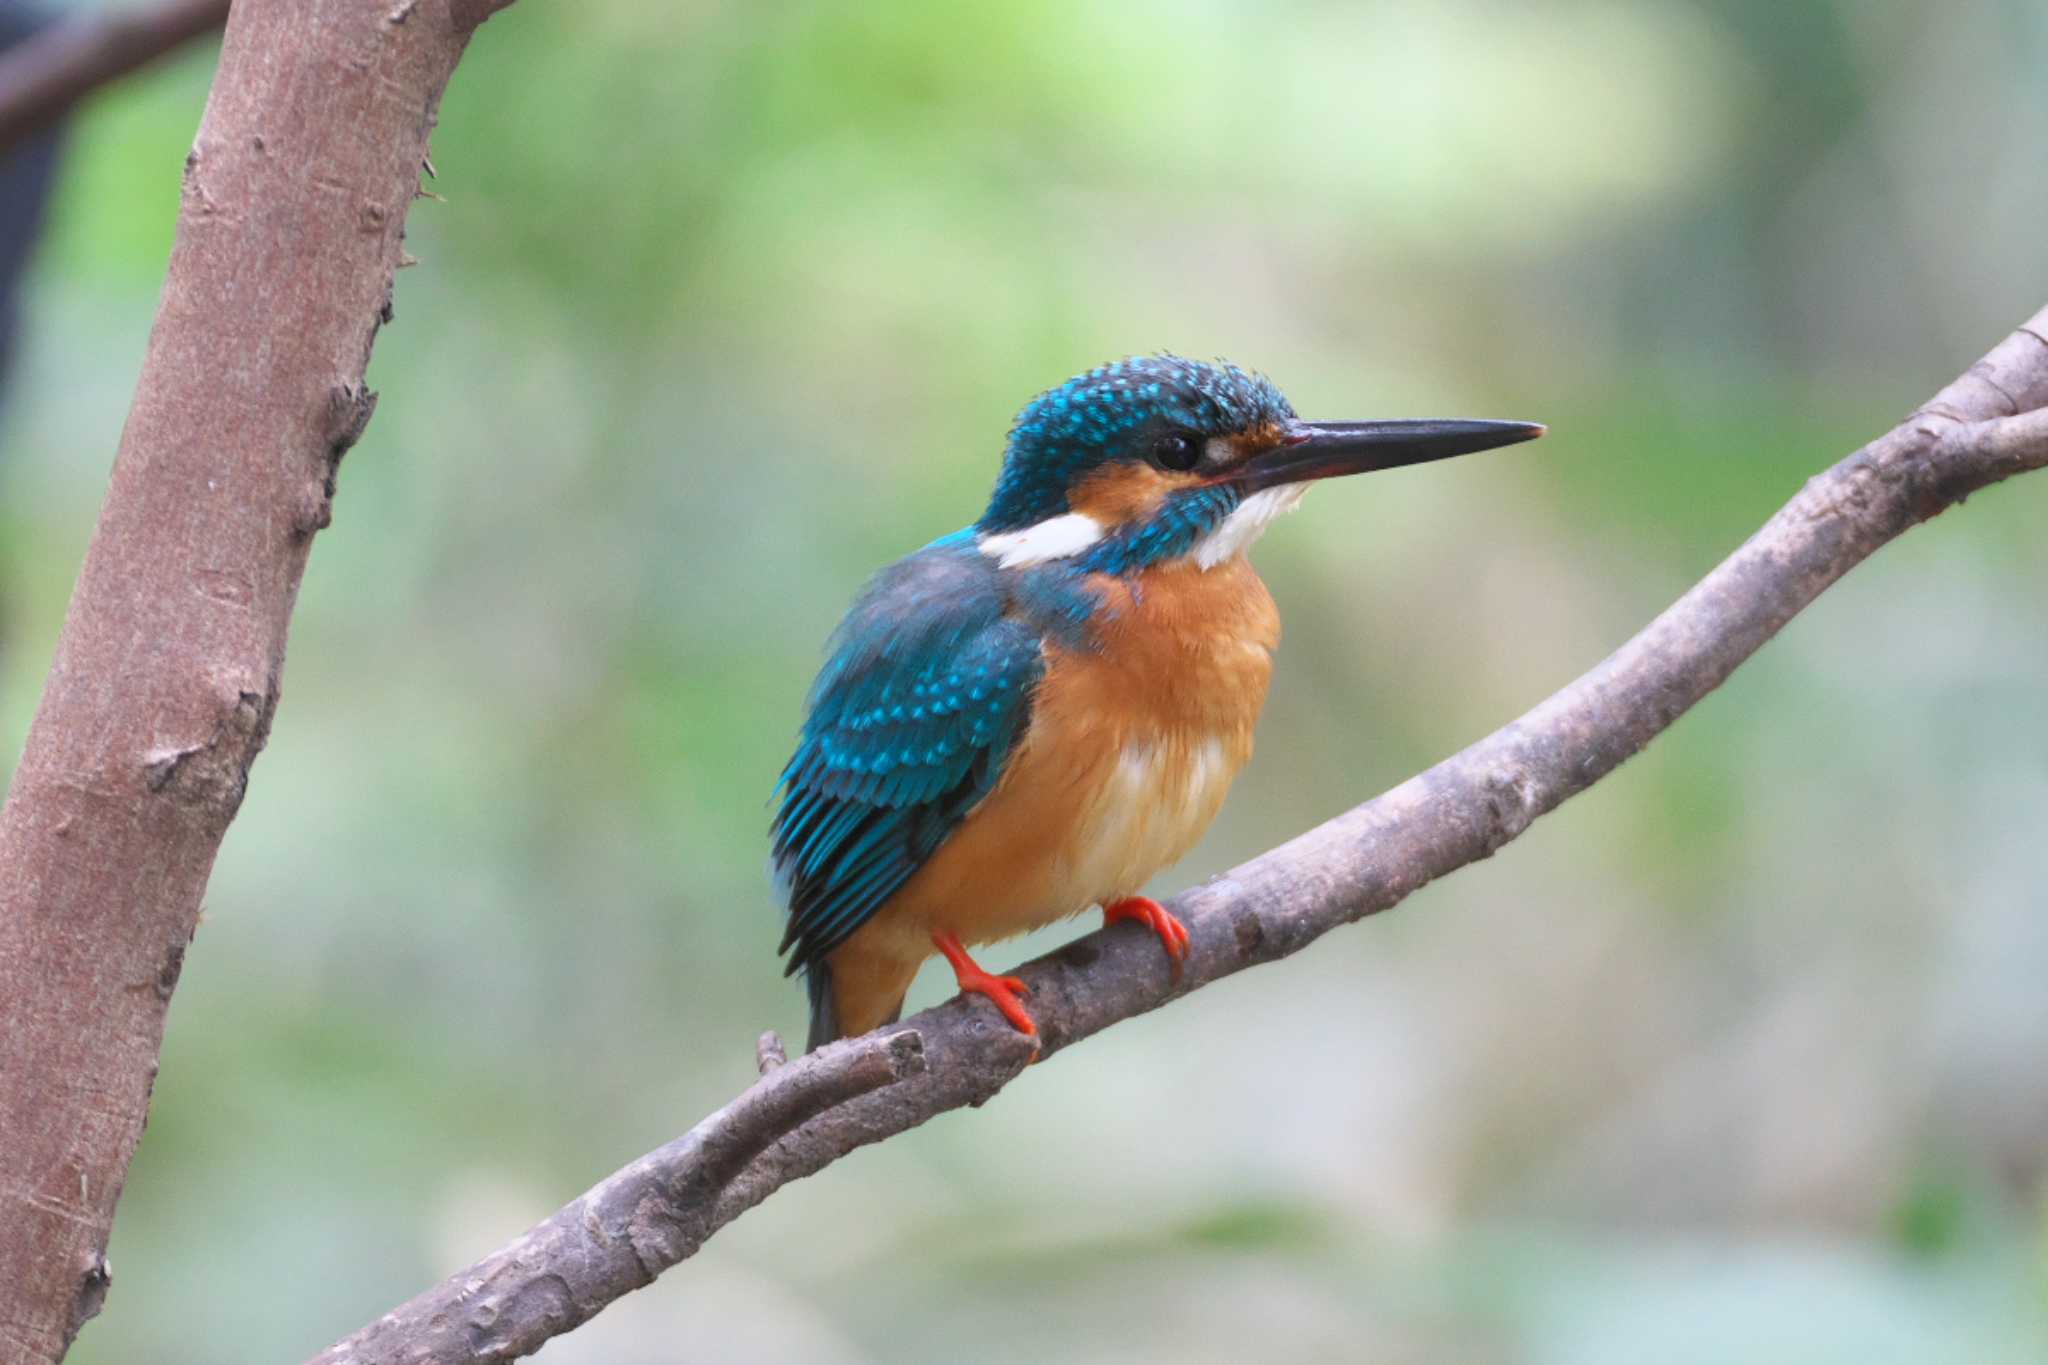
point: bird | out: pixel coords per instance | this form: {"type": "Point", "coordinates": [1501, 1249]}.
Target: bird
{"type": "Point", "coordinates": [1030, 717]}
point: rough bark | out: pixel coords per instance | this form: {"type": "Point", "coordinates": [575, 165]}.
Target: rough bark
{"type": "Point", "coordinates": [42, 78]}
{"type": "Point", "coordinates": [167, 671]}
{"type": "Point", "coordinates": [1988, 425]}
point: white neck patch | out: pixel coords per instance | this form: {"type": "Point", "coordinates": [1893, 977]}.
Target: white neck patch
{"type": "Point", "coordinates": [1245, 525]}
{"type": "Point", "coordinates": [1054, 538]}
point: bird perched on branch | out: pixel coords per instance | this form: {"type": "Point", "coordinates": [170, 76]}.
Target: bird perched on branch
{"type": "Point", "coordinates": [1034, 715]}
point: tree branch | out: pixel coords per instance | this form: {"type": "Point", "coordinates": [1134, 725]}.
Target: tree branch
{"type": "Point", "coordinates": [167, 671]}
{"type": "Point", "coordinates": [624, 1232]}
{"type": "Point", "coordinates": [1364, 861]}
{"type": "Point", "coordinates": [42, 77]}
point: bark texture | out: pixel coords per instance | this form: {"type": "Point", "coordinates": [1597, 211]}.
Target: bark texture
{"type": "Point", "coordinates": [1988, 425]}
{"type": "Point", "coordinates": [167, 672]}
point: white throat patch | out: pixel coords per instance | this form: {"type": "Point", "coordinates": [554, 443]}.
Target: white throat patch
{"type": "Point", "coordinates": [1243, 526]}
{"type": "Point", "coordinates": [1054, 538]}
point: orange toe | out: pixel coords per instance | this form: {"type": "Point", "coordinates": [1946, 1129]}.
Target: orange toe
{"type": "Point", "coordinates": [1003, 992]}
{"type": "Point", "coordinates": [1173, 935]}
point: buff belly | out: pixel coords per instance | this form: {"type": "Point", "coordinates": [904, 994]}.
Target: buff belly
{"type": "Point", "coordinates": [1131, 749]}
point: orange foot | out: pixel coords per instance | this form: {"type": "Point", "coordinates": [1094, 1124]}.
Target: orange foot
{"type": "Point", "coordinates": [1002, 990]}
{"type": "Point", "coordinates": [1173, 935]}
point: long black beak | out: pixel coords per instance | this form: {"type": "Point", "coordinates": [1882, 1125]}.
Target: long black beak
{"type": "Point", "coordinates": [1324, 450]}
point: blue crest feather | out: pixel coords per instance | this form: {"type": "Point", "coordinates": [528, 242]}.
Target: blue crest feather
{"type": "Point", "coordinates": [1103, 414]}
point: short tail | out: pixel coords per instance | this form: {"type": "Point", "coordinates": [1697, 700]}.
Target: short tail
{"type": "Point", "coordinates": [869, 1008]}
{"type": "Point", "coordinates": [824, 1009]}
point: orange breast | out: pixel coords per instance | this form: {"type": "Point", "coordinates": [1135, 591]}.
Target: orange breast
{"type": "Point", "coordinates": [1131, 748]}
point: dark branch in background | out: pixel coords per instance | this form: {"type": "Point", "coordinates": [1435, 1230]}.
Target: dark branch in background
{"type": "Point", "coordinates": [28, 168]}
{"type": "Point", "coordinates": [169, 665]}
{"type": "Point", "coordinates": [1990, 424]}
{"type": "Point", "coordinates": [41, 79]}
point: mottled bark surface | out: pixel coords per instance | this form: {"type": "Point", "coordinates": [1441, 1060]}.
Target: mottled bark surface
{"type": "Point", "coordinates": [167, 672]}
{"type": "Point", "coordinates": [1990, 424]}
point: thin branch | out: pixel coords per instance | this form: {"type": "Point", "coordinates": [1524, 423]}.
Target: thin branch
{"type": "Point", "coordinates": [43, 76]}
{"type": "Point", "coordinates": [624, 1232]}
{"type": "Point", "coordinates": [1362, 862]}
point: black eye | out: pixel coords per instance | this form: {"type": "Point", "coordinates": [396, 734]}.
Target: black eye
{"type": "Point", "coordinates": [1176, 450]}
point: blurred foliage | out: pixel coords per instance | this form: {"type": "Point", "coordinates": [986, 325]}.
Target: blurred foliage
{"type": "Point", "coordinates": [1735, 1058]}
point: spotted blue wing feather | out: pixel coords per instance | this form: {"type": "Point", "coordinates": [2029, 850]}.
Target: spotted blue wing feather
{"type": "Point", "coordinates": [926, 689]}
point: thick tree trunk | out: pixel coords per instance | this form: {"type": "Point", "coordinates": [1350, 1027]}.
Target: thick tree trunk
{"type": "Point", "coordinates": [167, 672]}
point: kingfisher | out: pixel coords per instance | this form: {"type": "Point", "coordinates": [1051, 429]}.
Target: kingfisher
{"type": "Point", "coordinates": [1030, 717]}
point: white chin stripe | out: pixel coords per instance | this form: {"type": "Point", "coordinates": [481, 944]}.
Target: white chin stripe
{"type": "Point", "coordinates": [1054, 538]}
{"type": "Point", "coordinates": [1245, 525]}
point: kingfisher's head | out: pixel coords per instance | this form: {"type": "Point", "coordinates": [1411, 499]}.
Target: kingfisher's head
{"type": "Point", "coordinates": [1157, 458]}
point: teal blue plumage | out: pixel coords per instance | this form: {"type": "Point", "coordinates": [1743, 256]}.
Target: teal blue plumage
{"type": "Point", "coordinates": [1110, 413]}
{"type": "Point", "coordinates": [926, 688]}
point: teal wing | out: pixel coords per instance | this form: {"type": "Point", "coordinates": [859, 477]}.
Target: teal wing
{"type": "Point", "coordinates": [927, 688]}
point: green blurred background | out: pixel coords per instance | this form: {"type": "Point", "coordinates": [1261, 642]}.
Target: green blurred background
{"type": "Point", "coordinates": [1743, 1056]}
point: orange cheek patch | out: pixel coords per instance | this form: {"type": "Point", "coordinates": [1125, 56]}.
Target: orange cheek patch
{"type": "Point", "coordinates": [1117, 494]}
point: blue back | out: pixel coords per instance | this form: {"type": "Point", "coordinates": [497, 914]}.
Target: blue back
{"type": "Point", "coordinates": [927, 687]}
